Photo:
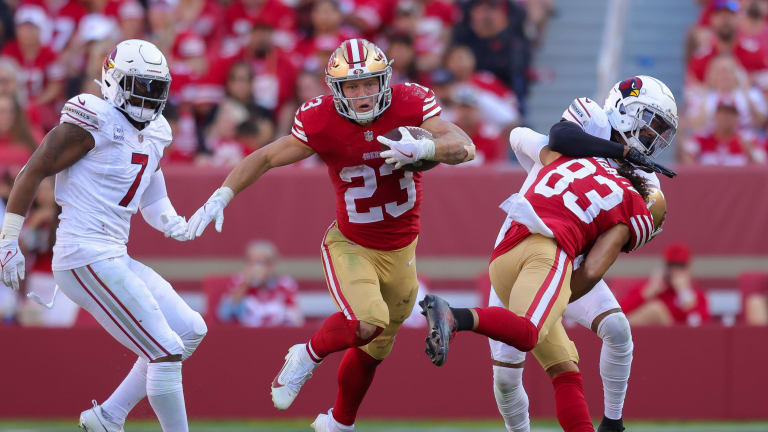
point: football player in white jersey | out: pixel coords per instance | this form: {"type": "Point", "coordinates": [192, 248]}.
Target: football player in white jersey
{"type": "Point", "coordinates": [637, 121]}
{"type": "Point", "coordinates": [105, 154]}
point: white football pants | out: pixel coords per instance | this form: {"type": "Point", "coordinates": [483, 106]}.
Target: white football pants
{"type": "Point", "coordinates": [135, 305]}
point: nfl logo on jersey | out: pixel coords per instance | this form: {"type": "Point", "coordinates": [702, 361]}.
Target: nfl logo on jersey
{"type": "Point", "coordinates": [368, 136]}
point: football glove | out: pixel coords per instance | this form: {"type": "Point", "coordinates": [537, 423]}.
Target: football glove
{"type": "Point", "coordinates": [11, 263]}
{"type": "Point", "coordinates": [175, 227]}
{"type": "Point", "coordinates": [407, 150]}
{"type": "Point", "coordinates": [213, 209]}
{"type": "Point", "coordinates": [643, 162]}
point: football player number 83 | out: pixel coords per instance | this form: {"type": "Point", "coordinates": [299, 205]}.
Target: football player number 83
{"type": "Point", "coordinates": [568, 176]}
{"type": "Point", "coordinates": [375, 214]}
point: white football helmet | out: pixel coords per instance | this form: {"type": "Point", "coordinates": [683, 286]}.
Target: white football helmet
{"type": "Point", "coordinates": [136, 79]}
{"type": "Point", "coordinates": [644, 111]}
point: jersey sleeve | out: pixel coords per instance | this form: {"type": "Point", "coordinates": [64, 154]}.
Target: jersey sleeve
{"type": "Point", "coordinates": [527, 145]}
{"type": "Point", "coordinates": [298, 128]}
{"type": "Point", "coordinates": [640, 225]}
{"type": "Point", "coordinates": [430, 107]}
{"type": "Point", "coordinates": [83, 110]}
{"type": "Point", "coordinates": [590, 116]}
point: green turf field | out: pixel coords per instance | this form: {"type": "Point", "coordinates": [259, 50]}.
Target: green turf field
{"type": "Point", "coordinates": [389, 426]}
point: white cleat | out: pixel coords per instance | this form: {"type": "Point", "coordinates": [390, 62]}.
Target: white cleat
{"type": "Point", "coordinates": [296, 371]}
{"type": "Point", "coordinates": [92, 420]}
{"type": "Point", "coordinates": [326, 423]}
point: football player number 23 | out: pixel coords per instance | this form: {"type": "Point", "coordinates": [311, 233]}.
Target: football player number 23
{"type": "Point", "coordinates": [136, 159]}
{"type": "Point", "coordinates": [376, 213]}
{"type": "Point", "coordinates": [568, 175]}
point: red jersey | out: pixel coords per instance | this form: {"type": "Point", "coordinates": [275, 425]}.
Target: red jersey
{"type": "Point", "coordinates": [377, 206]}
{"type": "Point", "coordinates": [37, 72]}
{"type": "Point", "coordinates": [574, 201]}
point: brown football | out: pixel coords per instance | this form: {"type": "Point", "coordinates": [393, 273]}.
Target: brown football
{"type": "Point", "coordinates": [417, 132]}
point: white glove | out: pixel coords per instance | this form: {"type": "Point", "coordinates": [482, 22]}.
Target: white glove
{"type": "Point", "coordinates": [408, 150]}
{"type": "Point", "coordinates": [213, 209]}
{"type": "Point", "coordinates": [175, 227]}
{"type": "Point", "coordinates": [11, 263]}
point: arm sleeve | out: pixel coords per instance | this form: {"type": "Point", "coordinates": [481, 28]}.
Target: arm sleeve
{"type": "Point", "coordinates": [569, 139]}
{"type": "Point", "coordinates": [155, 202]}
{"type": "Point", "coordinates": [527, 145]}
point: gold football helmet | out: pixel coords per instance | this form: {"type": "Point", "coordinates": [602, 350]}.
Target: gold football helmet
{"type": "Point", "coordinates": [357, 59]}
{"type": "Point", "coordinates": [657, 205]}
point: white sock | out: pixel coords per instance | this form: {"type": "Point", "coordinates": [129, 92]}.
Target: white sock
{"type": "Point", "coordinates": [127, 394]}
{"type": "Point", "coordinates": [511, 398]}
{"type": "Point", "coordinates": [615, 362]}
{"type": "Point", "coordinates": [166, 395]}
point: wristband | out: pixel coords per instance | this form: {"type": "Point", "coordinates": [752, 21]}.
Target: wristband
{"type": "Point", "coordinates": [11, 226]}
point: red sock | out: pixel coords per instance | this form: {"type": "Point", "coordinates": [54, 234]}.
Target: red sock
{"type": "Point", "coordinates": [505, 326]}
{"type": "Point", "coordinates": [355, 376]}
{"type": "Point", "coordinates": [570, 405]}
{"type": "Point", "coordinates": [336, 334]}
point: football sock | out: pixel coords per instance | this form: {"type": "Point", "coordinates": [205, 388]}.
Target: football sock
{"type": "Point", "coordinates": [615, 362]}
{"type": "Point", "coordinates": [570, 405]}
{"type": "Point", "coordinates": [511, 398]}
{"type": "Point", "coordinates": [356, 373]}
{"type": "Point", "coordinates": [464, 319]}
{"type": "Point", "coordinates": [505, 326]}
{"type": "Point", "coordinates": [336, 334]}
{"type": "Point", "coordinates": [127, 394]}
{"type": "Point", "coordinates": [166, 395]}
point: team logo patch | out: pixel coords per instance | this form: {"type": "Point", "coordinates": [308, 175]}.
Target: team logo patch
{"type": "Point", "coordinates": [109, 62]}
{"type": "Point", "coordinates": [118, 134]}
{"type": "Point", "coordinates": [368, 136]}
{"type": "Point", "coordinates": [141, 138]}
{"type": "Point", "coordinates": [630, 87]}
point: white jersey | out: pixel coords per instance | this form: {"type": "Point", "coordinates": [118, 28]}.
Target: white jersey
{"type": "Point", "coordinates": [100, 192]}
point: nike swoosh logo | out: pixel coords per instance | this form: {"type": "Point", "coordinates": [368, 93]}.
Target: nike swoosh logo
{"type": "Point", "coordinates": [411, 261]}
{"type": "Point", "coordinates": [82, 102]}
{"type": "Point", "coordinates": [6, 258]}
{"type": "Point", "coordinates": [405, 154]}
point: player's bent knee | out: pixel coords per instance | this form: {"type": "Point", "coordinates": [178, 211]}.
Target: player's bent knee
{"type": "Point", "coordinates": [195, 336]}
{"type": "Point", "coordinates": [615, 330]}
{"type": "Point", "coordinates": [380, 347]}
{"type": "Point", "coordinates": [561, 368]}
{"type": "Point", "coordinates": [507, 380]}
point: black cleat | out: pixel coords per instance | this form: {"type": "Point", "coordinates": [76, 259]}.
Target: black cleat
{"type": "Point", "coordinates": [609, 425]}
{"type": "Point", "coordinates": [442, 327]}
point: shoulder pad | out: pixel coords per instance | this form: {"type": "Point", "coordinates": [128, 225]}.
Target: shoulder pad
{"type": "Point", "coordinates": [590, 116]}
{"type": "Point", "coordinates": [311, 115]}
{"type": "Point", "coordinates": [418, 95]}
{"type": "Point", "coordinates": [85, 110]}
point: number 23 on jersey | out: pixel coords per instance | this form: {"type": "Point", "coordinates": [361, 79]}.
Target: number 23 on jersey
{"type": "Point", "coordinates": [370, 184]}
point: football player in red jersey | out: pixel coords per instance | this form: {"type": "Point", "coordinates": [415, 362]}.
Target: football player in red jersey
{"type": "Point", "coordinates": [568, 206]}
{"type": "Point", "coordinates": [368, 252]}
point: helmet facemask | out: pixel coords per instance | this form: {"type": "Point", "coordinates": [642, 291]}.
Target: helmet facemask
{"type": "Point", "coordinates": [345, 105]}
{"type": "Point", "coordinates": [652, 130]}
{"type": "Point", "coordinates": [144, 96]}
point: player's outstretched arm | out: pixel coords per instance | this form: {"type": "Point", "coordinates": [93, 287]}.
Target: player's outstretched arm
{"type": "Point", "coordinates": [62, 147]}
{"type": "Point", "coordinates": [452, 145]}
{"type": "Point", "coordinates": [599, 259]}
{"type": "Point", "coordinates": [283, 151]}
{"type": "Point", "coordinates": [569, 139]}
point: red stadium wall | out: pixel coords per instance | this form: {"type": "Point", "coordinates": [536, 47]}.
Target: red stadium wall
{"type": "Point", "coordinates": [710, 208]}
{"type": "Point", "coordinates": [678, 373]}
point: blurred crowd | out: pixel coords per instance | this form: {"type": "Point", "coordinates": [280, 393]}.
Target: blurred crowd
{"type": "Point", "coordinates": [726, 85]}
{"type": "Point", "coordinates": [240, 68]}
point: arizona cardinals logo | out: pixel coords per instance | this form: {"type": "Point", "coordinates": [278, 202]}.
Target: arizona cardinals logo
{"type": "Point", "coordinates": [630, 87]}
{"type": "Point", "coordinates": [109, 62]}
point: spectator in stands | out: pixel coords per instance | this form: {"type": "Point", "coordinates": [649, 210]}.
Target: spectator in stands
{"type": "Point", "coordinates": [490, 144]}
{"type": "Point", "coordinates": [325, 33]}
{"type": "Point", "coordinates": [239, 89]}
{"type": "Point", "coordinates": [259, 297]}
{"type": "Point", "coordinates": [494, 33]}
{"type": "Point", "coordinates": [753, 28]}
{"type": "Point", "coordinates": [405, 68]}
{"type": "Point", "coordinates": [162, 29]}
{"type": "Point", "coordinates": [242, 16]}
{"type": "Point", "coordinates": [724, 145]}
{"type": "Point", "coordinates": [669, 296]}
{"type": "Point", "coordinates": [754, 288]}
{"type": "Point", "coordinates": [722, 37]}
{"type": "Point", "coordinates": [18, 138]}
{"type": "Point", "coordinates": [41, 73]}
{"type": "Point", "coordinates": [497, 103]}
{"type": "Point", "coordinates": [726, 79]}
